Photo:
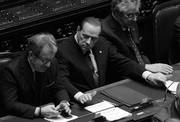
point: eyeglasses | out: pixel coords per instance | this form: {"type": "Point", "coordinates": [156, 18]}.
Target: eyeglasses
{"type": "Point", "coordinates": [45, 61]}
{"type": "Point", "coordinates": [131, 16]}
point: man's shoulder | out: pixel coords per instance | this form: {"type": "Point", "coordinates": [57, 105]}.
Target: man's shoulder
{"type": "Point", "coordinates": [16, 61]}
{"type": "Point", "coordinates": [65, 41]}
{"type": "Point", "coordinates": [107, 19]}
{"type": "Point", "coordinates": [103, 42]}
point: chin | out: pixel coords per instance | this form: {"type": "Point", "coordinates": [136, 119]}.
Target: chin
{"type": "Point", "coordinates": [42, 69]}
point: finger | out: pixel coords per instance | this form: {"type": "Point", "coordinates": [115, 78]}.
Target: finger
{"type": "Point", "coordinates": [166, 72]}
{"type": "Point", "coordinates": [154, 82]}
{"type": "Point", "coordinates": [53, 108]}
{"type": "Point", "coordinates": [93, 93]}
{"type": "Point", "coordinates": [68, 110]}
{"type": "Point", "coordinates": [162, 64]}
{"type": "Point", "coordinates": [57, 107]}
{"type": "Point", "coordinates": [87, 98]}
{"type": "Point", "coordinates": [82, 99]}
{"type": "Point", "coordinates": [53, 113]}
{"type": "Point", "coordinates": [167, 69]}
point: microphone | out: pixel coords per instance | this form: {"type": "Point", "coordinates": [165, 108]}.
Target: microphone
{"type": "Point", "coordinates": [146, 102]}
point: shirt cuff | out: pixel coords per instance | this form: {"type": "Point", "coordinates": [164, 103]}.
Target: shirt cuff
{"type": "Point", "coordinates": [77, 95]}
{"type": "Point", "coordinates": [146, 74]}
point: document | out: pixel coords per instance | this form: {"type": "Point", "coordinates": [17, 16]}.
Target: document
{"type": "Point", "coordinates": [99, 106]}
{"type": "Point", "coordinates": [108, 110]}
{"type": "Point", "coordinates": [61, 119]}
{"type": "Point", "coordinates": [115, 113]}
{"type": "Point", "coordinates": [171, 86]}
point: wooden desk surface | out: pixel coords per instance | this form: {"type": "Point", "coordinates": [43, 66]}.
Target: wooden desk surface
{"type": "Point", "coordinates": [155, 93]}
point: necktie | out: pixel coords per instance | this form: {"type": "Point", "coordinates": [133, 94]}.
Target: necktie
{"type": "Point", "coordinates": [94, 68]}
{"type": "Point", "coordinates": [133, 39]}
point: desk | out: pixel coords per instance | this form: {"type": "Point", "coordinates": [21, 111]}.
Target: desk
{"type": "Point", "coordinates": [155, 93]}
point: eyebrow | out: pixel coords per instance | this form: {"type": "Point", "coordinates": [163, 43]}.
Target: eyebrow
{"type": "Point", "coordinates": [89, 35]}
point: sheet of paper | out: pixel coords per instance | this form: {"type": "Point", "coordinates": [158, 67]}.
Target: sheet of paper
{"type": "Point", "coordinates": [61, 119]}
{"type": "Point", "coordinates": [171, 86]}
{"type": "Point", "coordinates": [115, 114]}
{"type": "Point", "coordinates": [99, 106]}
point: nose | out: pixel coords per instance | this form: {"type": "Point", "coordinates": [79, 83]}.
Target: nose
{"type": "Point", "coordinates": [88, 41]}
{"type": "Point", "coordinates": [48, 64]}
{"type": "Point", "coordinates": [137, 10]}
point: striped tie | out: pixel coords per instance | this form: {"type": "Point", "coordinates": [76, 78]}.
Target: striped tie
{"type": "Point", "coordinates": [133, 38]}
{"type": "Point", "coordinates": [95, 69]}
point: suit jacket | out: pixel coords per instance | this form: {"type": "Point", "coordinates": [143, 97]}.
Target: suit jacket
{"type": "Point", "coordinates": [77, 75]}
{"type": "Point", "coordinates": [114, 33]}
{"type": "Point", "coordinates": [20, 91]}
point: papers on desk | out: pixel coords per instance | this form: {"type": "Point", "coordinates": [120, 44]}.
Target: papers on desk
{"type": "Point", "coordinates": [108, 110]}
{"type": "Point", "coordinates": [61, 119]}
{"type": "Point", "coordinates": [115, 113]}
{"type": "Point", "coordinates": [99, 106]}
{"type": "Point", "coordinates": [171, 86]}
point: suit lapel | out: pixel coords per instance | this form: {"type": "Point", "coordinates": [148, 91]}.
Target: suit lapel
{"type": "Point", "coordinates": [81, 61]}
{"type": "Point", "coordinates": [26, 74]}
{"type": "Point", "coordinates": [98, 53]}
{"type": "Point", "coordinates": [117, 33]}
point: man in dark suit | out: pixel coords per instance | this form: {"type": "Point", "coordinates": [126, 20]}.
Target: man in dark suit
{"type": "Point", "coordinates": [121, 29]}
{"type": "Point", "coordinates": [84, 59]}
{"type": "Point", "coordinates": [28, 83]}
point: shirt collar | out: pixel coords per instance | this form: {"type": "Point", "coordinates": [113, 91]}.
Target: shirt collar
{"type": "Point", "coordinates": [32, 68]}
{"type": "Point", "coordinates": [75, 37]}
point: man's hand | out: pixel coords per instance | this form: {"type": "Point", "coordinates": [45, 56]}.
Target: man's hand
{"type": "Point", "coordinates": [159, 67]}
{"type": "Point", "coordinates": [49, 111]}
{"type": "Point", "coordinates": [64, 105]}
{"type": "Point", "coordinates": [86, 97]}
{"type": "Point", "coordinates": [158, 78]}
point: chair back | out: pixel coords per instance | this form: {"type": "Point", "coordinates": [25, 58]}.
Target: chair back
{"type": "Point", "coordinates": [164, 16]}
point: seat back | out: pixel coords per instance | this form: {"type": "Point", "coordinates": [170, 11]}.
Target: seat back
{"type": "Point", "coordinates": [3, 62]}
{"type": "Point", "coordinates": [164, 16]}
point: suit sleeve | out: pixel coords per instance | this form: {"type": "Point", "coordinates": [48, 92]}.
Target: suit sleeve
{"type": "Point", "coordinates": [60, 90]}
{"type": "Point", "coordinates": [64, 74]}
{"type": "Point", "coordinates": [123, 64]}
{"type": "Point", "coordinates": [10, 101]}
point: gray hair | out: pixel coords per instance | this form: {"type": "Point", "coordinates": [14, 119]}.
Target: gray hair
{"type": "Point", "coordinates": [126, 4]}
{"type": "Point", "coordinates": [38, 41]}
